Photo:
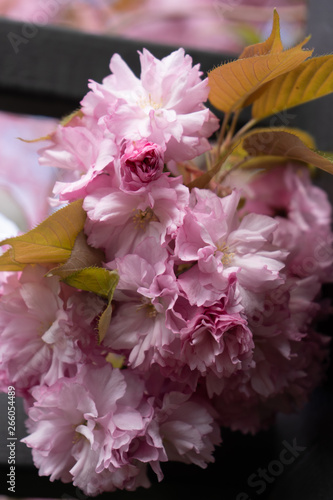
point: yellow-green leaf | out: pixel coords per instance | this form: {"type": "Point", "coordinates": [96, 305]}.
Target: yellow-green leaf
{"type": "Point", "coordinates": [272, 45]}
{"type": "Point", "coordinates": [82, 256]}
{"type": "Point", "coordinates": [285, 145]}
{"type": "Point", "coordinates": [94, 279]}
{"type": "Point", "coordinates": [257, 132]}
{"type": "Point", "coordinates": [310, 80]}
{"type": "Point", "coordinates": [263, 162]}
{"type": "Point", "coordinates": [100, 281]}
{"type": "Point", "coordinates": [104, 322]}
{"type": "Point", "coordinates": [51, 241]}
{"type": "Point", "coordinates": [232, 84]}
{"type": "Point", "coordinates": [8, 263]}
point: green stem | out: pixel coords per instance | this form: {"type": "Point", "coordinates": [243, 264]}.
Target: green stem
{"type": "Point", "coordinates": [223, 130]}
{"type": "Point", "coordinates": [232, 127]}
{"type": "Point", "coordinates": [244, 129]}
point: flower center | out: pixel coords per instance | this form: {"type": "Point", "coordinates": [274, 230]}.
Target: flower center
{"type": "Point", "coordinates": [148, 308]}
{"type": "Point", "coordinates": [141, 218]}
{"type": "Point", "coordinates": [77, 435]}
{"type": "Point", "coordinates": [227, 254]}
{"type": "Point", "coordinates": [147, 102]}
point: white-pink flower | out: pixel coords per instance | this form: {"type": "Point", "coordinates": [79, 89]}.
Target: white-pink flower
{"type": "Point", "coordinates": [219, 244]}
{"type": "Point", "coordinates": [147, 289]}
{"type": "Point", "coordinates": [119, 220]}
{"type": "Point", "coordinates": [164, 105]}
{"type": "Point", "coordinates": [81, 152]}
{"type": "Point", "coordinates": [42, 338]}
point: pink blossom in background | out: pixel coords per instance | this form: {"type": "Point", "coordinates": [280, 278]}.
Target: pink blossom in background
{"type": "Point", "coordinates": [8, 228]}
{"type": "Point", "coordinates": [304, 215]}
{"type": "Point", "coordinates": [24, 185]}
{"type": "Point", "coordinates": [214, 25]}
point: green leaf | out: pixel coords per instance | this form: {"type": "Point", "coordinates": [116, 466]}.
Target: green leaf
{"type": "Point", "coordinates": [310, 80]}
{"type": "Point", "coordinates": [97, 280]}
{"type": "Point", "coordinates": [285, 145]}
{"type": "Point", "coordinates": [304, 136]}
{"type": "Point", "coordinates": [51, 241]}
{"type": "Point", "coordinates": [100, 281]}
{"type": "Point", "coordinates": [263, 162]}
{"type": "Point", "coordinates": [104, 322]}
{"type": "Point", "coordinates": [82, 256]}
{"type": "Point", "coordinates": [8, 262]}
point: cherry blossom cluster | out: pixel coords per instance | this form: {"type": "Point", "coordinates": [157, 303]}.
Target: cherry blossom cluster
{"type": "Point", "coordinates": [213, 315]}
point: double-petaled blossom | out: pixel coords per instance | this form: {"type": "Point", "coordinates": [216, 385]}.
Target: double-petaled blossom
{"type": "Point", "coordinates": [100, 429]}
{"type": "Point", "coordinates": [147, 289]}
{"type": "Point", "coordinates": [119, 220]}
{"type": "Point", "coordinates": [42, 337]}
{"type": "Point", "coordinates": [219, 244]}
{"type": "Point", "coordinates": [304, 215]}
{"type": "Point", "coordinates": [94, 429]}
{"type": "Point", "coordinates": [140, 163]}
{"type": "Point", "coordinates": [164, 105]}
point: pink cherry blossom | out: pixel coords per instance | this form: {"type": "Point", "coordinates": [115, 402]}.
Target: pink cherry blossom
{"type": "Point", "coordinates": [220, 244]}
{"type": "Point", "coordinates": [164, 105]}
{"type": "Point", "coordinates": [188, 429]}
{"type": "Point", "coordinates": [82, 152]}
{"type": "Point", "coordinates": [286, 350]}
{"type": "Point", "coordinates": [118, 221]}
{"type": "Point", "coordinates": [304, 215]}
{"type": "Point", "coordinates": [147, 289]}
{"type": "Point", "coordinates": [141, 162]}
{"type": "Point", "coordinates": [219, 342]}
{"type": "Point", "coordinates": [42, 338]}
{"type": "Point", "coordinates": [94, 429]}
